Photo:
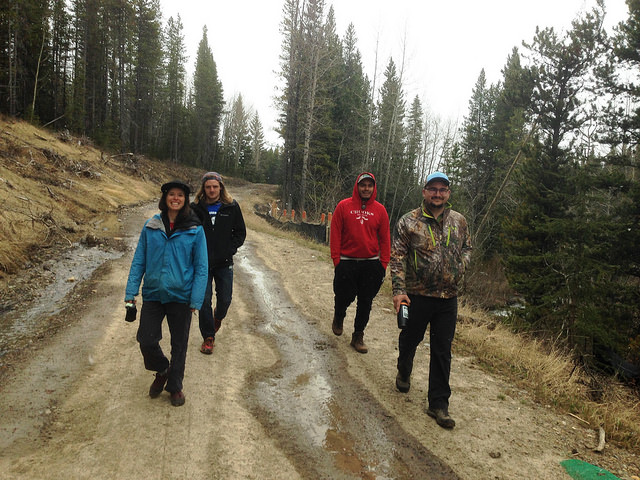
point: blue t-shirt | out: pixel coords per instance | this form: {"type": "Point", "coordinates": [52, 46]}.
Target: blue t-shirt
{"type": "Point", "coordinates": [213, 211]}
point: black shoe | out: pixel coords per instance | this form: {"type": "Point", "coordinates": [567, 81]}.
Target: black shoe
{"type": "Point", "coordinates": [336, 326]}
{"type": "Point", "coordinates": [177, 399]}
{"type": "Point", "coordinates": [442, 417]}
{"type": "Point", "coordinates": [403, 384]}
{"type": "Point", "coordinates": [158, 384]}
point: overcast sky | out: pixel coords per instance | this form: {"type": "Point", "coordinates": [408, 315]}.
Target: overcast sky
{"type": "Point", "coordinates": [445, 43]}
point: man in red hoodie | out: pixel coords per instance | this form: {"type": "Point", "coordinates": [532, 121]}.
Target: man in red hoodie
{"type": "Point", "coordinates": [360, 249]}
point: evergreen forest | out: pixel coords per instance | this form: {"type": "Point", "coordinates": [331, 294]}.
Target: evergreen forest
{"type": "Point", "coordinates": [544, 165]}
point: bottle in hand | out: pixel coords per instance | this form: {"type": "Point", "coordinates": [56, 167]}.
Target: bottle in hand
{"type": "Point", "coordinates": [403, 314]}
{"type": "Point", "coordinates": [131, 312]}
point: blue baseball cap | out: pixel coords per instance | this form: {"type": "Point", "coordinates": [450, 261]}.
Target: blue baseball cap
{"type": "Point", "coordinates": [437, 176]}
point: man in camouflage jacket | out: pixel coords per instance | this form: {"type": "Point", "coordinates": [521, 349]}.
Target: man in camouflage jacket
{"type": "Point", "coordinates": [429, 254]}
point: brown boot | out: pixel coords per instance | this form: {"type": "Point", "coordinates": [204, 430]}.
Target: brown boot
{"type": "Point", "coordinates": [357, 342]}
{"type": "Point", "coordinates": [336, 326]}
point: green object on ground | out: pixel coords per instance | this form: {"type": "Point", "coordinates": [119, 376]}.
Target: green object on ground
{"type": "Point", "coordinates": [579, 470]}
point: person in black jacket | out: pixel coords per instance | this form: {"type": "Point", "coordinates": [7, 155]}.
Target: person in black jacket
{"type": "Point", "coordinates": [225, 231]}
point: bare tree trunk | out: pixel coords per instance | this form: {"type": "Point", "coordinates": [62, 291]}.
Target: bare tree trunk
{"type": "Point", "coordinates": [308, 126]}
{"type": "Point", "coordinates": [11, 42]}
{"type": "Point", "coordinates": [367, 156]}
{"type": "Point", "coordinates": [291, 99]}
{"type": "Point", "coordinates": [504, 182]}
{"type": "Point", "coordinates": [391, 136]}
{"type": "Point", "coordinates": [35, 84]}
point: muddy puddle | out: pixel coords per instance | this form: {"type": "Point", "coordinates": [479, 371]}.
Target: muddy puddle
{"type": "Point", "coordinates": [327, 422]}
{"type": "Point", "coordinates": [65, 272]}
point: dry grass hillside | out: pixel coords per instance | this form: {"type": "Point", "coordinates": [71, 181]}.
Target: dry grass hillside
{"type": "Point", "coordinates": [56, 190]}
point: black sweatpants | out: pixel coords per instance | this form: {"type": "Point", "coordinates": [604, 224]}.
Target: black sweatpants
{"type": "Point", "coordinates": [441, 314]}
{"type": "Point", "coordinates": [150, 333]}
{"type": "Point", "coordinates": [359, 279]}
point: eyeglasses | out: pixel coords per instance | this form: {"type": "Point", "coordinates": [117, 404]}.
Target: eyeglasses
{"type": "Point", "coordinates": [433, 190]}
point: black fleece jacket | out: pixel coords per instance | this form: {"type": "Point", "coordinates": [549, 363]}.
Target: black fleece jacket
{"type": "Point", "coordinates": [226, 236]}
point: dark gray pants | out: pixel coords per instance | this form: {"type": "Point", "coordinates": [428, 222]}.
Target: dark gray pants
{"type": "Point", "coordinates": [150, 333]}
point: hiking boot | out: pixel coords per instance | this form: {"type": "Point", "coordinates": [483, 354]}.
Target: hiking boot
{"type": "Point", "coordinates": [158, 384]}
{"type": "Point", "coordinates": [177, 399]}
{"type": "Point", "coordinates": [336, 326]}
{"type": "Point", "coordinates": [357, 342]}
{"type": "Point", "coordinates": [442, 417]}
{"type": "Point", "coordinates": [207, 346]}
{"type": "Point", "coordinates": [403, 384]}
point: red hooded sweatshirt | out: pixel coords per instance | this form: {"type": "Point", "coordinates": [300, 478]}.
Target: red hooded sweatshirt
{"type": "Point", "coordinates": [360, 229]}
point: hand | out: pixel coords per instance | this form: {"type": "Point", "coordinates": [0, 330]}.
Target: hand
{"type": "Point", "coordinates": [398, 299]}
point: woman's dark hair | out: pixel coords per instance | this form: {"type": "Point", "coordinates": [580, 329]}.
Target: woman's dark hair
{"type": "Point", "coordinates": [185, 211]}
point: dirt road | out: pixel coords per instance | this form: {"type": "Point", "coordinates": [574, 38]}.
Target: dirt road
{"type": "Point", "coordinates": [281, 397]}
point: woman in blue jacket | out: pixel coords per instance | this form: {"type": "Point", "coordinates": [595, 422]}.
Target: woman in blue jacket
{"type": "Point", "coordinates": [172, 257]}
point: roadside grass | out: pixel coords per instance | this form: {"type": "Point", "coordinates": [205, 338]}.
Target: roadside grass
{"type": "Point", "coordinates": [551, 376]}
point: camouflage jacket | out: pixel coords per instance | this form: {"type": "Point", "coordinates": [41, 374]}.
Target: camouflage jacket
{"type": "Point", "coordinates": [429, 256]}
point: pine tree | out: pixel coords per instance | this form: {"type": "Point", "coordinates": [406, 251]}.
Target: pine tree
{"type": "Point", "coordinates": [147, 63]}
{"type": "Point", "coordinates": [114, 125]}
{"type": "Point", "coordinates": [175, 115]}
{"type": "Point", "coordinates": [256, 139]}
{"type": "Point", "coordinates": [314, 49]}
{"type": "Point", "coordinates": [26, 67]}
{"type": "Point", "coordinates": [208, 103]}
{"type": "Point", "coordinates": [548, 237]}
{"type": "Point", "coordinates": [235, 138]}
{"type": "Point", "coordinates": [389, 148]}
{"type": "Point", "coordinates": [476, 170]}
{"type": "Point", "coordinates": [76, 109]}
{"type": "Point", "coordinates": [407, 186]}
{"type": "Point", "coordinates": [616, 195]}
{"type": "Point", "coordinates": [311, 69]}
{"type": "Point", "coordinates": [290, 99]}
{"type": "Point", "coordinates": [325, 168]}
{"type": "Point", "coordinates": [95, 69]}
{"type": "Point", "coordinates": [350, 117]}
{"type": "Point", "coordinates": [508, 133]}
{"type": "Point", "coordinates": [61, 60]}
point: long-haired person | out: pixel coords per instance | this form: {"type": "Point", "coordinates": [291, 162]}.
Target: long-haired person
{"type": "Point", "coordinates": [224, 228]}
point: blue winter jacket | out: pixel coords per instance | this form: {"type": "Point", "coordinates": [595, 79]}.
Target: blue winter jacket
{"type": "Point", "coordinates": [175, 268]}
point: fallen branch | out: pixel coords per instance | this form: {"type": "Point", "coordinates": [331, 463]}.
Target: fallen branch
{"type": "Point", "coordinates": [54, 120]}
{"type": "Point", "coordinates": [600, 446]}
{"type": "Point", "coordinates": [578, 418]}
